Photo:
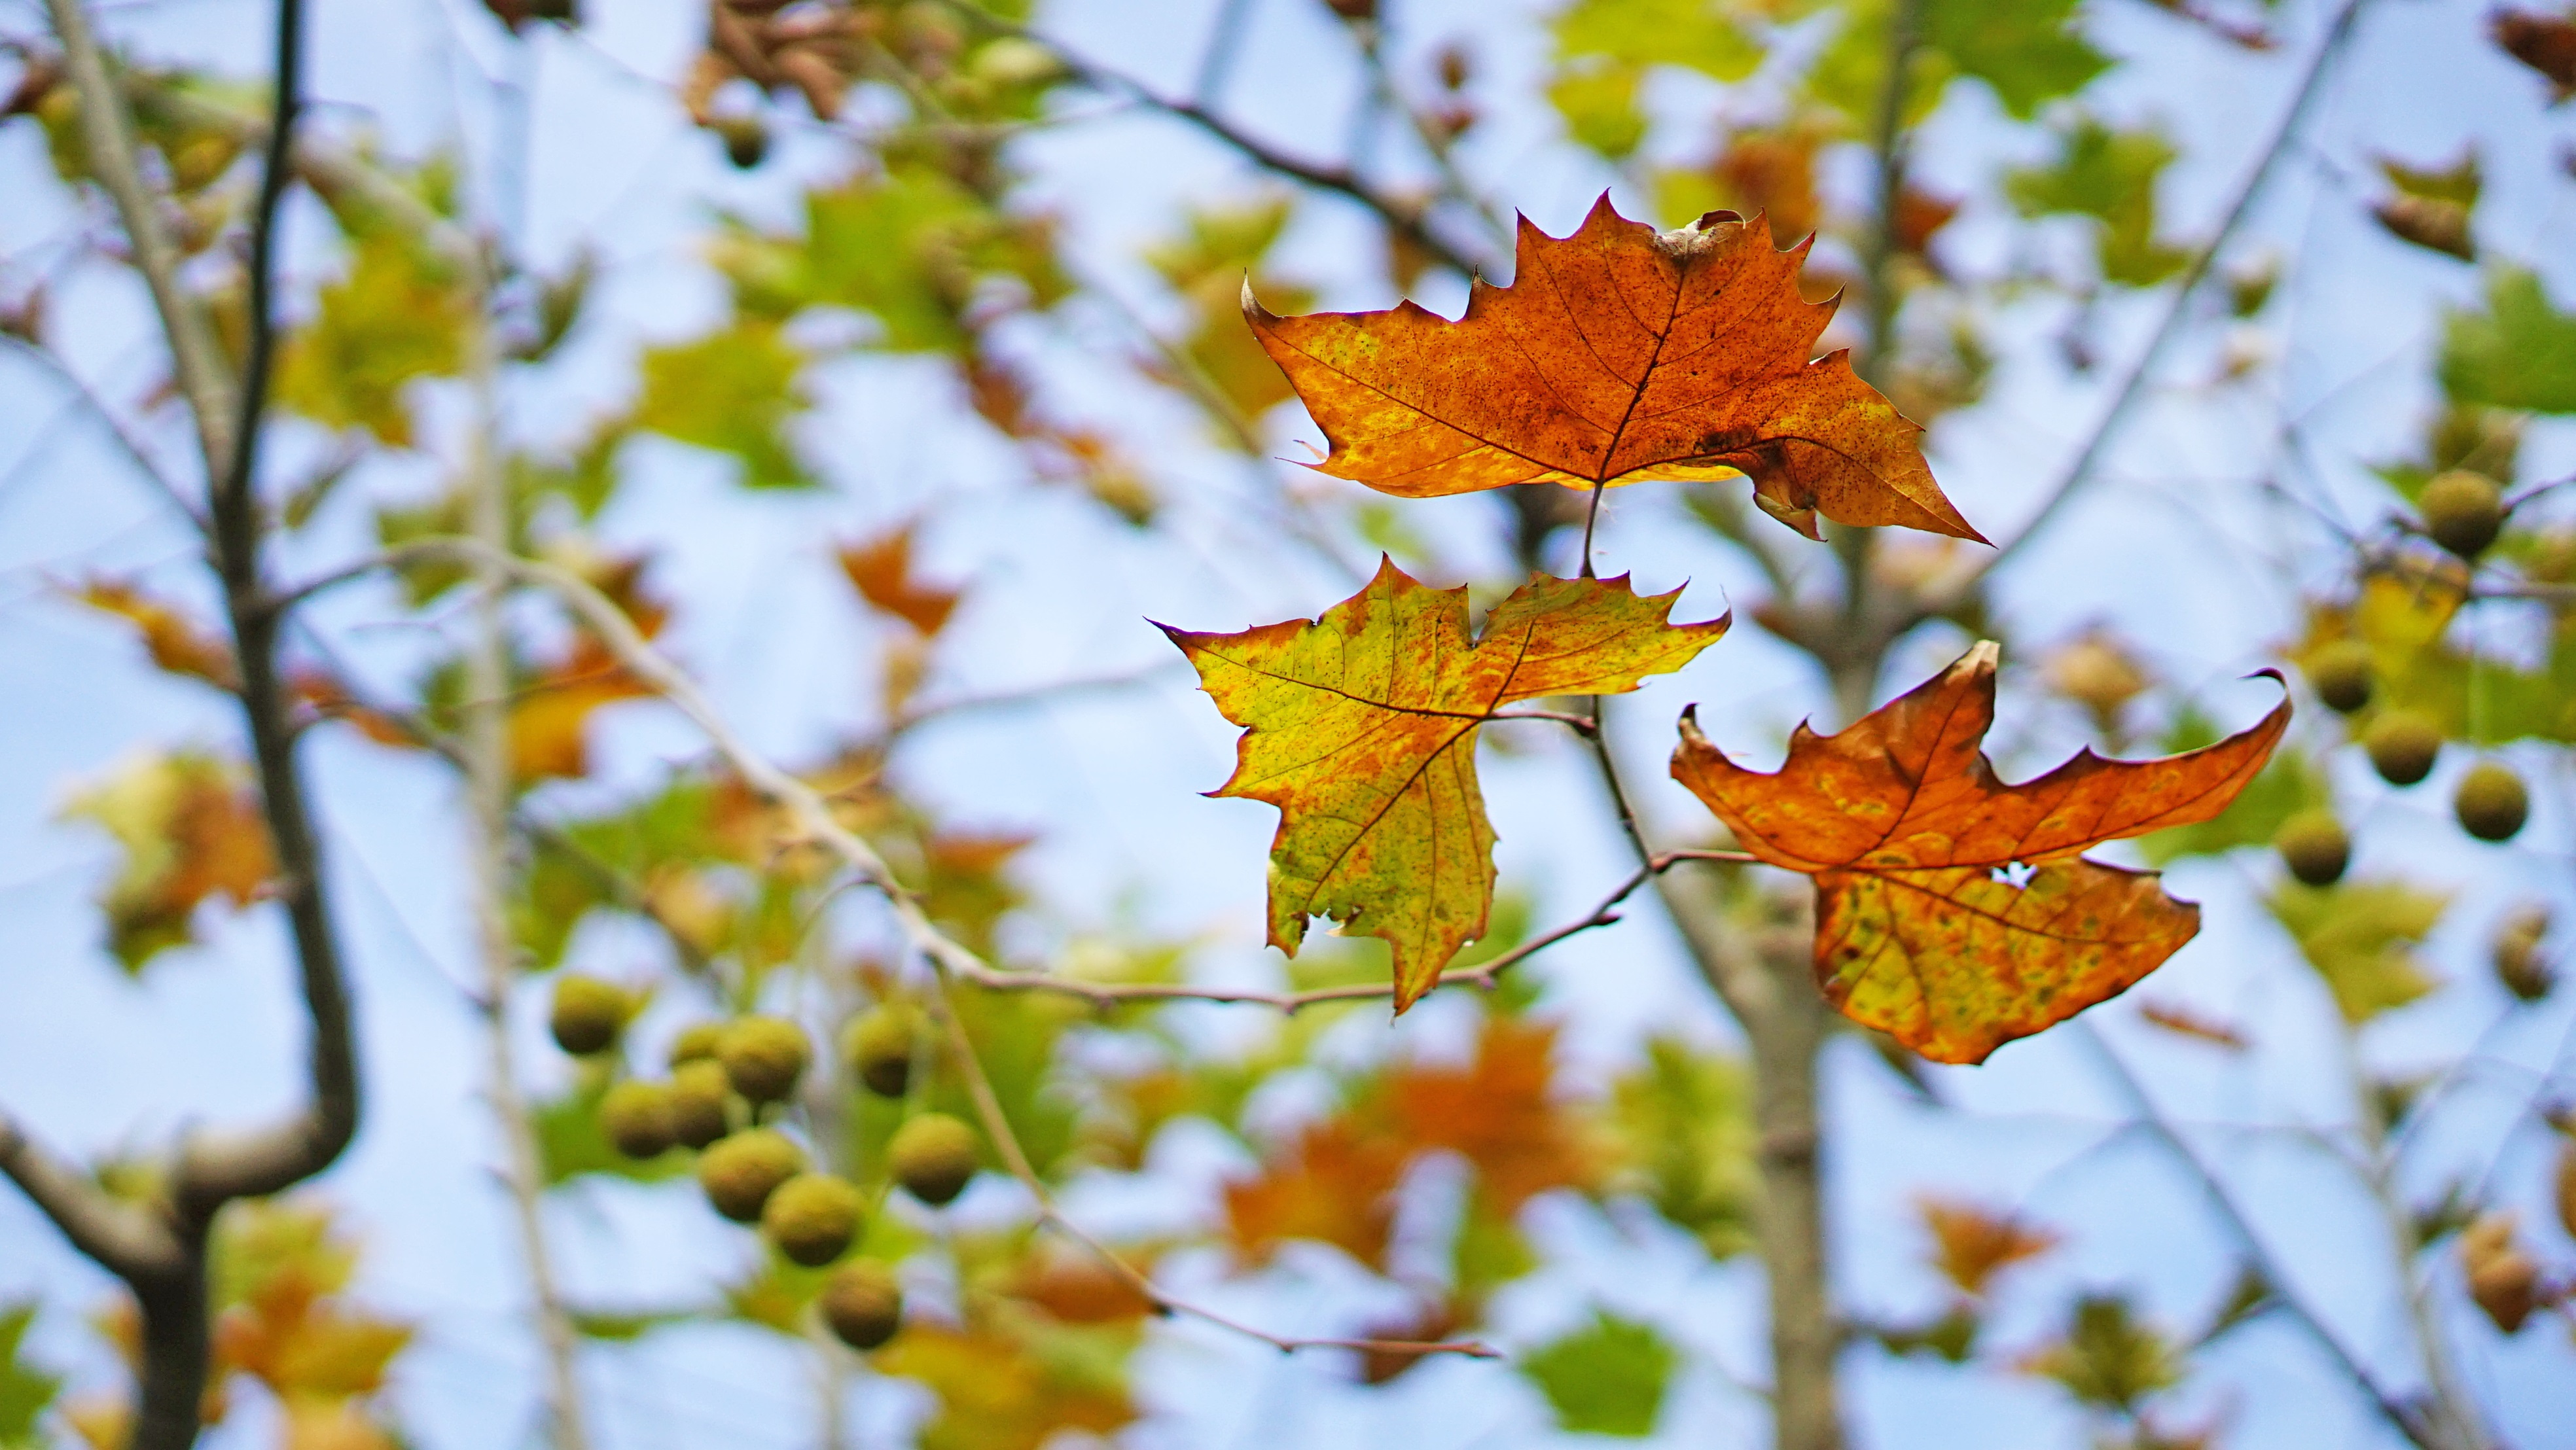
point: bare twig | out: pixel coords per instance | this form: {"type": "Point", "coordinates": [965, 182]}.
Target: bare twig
{"type": "Point", "coordinates": [88, 400]}
{"type": "Point", "coordinates": [2132, 385]}
{"type": "Point", "coordinates": [997, 1127]}
{"type": "Point", "coordinates": [2396, 1412]}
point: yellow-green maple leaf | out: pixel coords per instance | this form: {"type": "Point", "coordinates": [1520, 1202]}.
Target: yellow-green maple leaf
{"type": "Point", "coordinates": [1361, 728]}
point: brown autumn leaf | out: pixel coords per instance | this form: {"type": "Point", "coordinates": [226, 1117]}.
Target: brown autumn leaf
{"type": "Point", "coordinates": [191, 828]}
{"type": "Point", "coordinates": [2546, 43]}
{"type": "Point", "coordinates": [176, 643]}
{"type": "Point", "coordinates": [881, 570]}
{"type": "Point", "coordinates": [1500, 1112]}
{"type": "Point", "coordinates": [1361, 728]}
{"type": "Point", "coordinates": [1618, 354]}
{"type": "Point", "coordinates": [1953, 911]}
{"type": "Point", "coordinates": [1970, 1245]}
{"type": "Point", "coordinates": [2184, 1021]}
{"type": "Point", "coordinates": [550, 713]}
{"type": "Point", "coordinates": [1335, 1184]}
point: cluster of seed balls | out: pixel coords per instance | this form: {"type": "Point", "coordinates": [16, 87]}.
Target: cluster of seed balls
{"type": "Point", "coordinates": [723, 1075]}
{"type": "Point", "coordinates": [2463, 512]}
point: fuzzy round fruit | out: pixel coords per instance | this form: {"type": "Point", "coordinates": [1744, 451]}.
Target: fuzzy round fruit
{"type": "Point", "coordinates": [2314, 846]}
{"type": "Point", "coordinates": [2463, 511]}
{"type": "Point", "coordinates": [696, 1042]}
{"type": "Point", "coordinates": [2403, 746]}
{"type": "Point", "coordinates": [741, 1172]}
{"type": "Point", "coordinates": [813, 1217]}
{"type": "Point", "coordinates": [2507, 1287]}
{"type": "Point", "coordinates": [701, 1104]}
{"type": "Point", "coordinates": [2340, 674]}
{"type": "Point", "coordinates": [932, 1156]}
{"type": "Point", "coordinates": [636, 1116]}
{"type": "Point", "coordinates": [764, 1056]}
{"type": "Point", "coordinates": [2491, 803]}
{"type": "Point", "coordinates": [862, 1303]}
{"type": "Point", "coordinates": [588, 1014]}
{"type": "Point", "coordinates": [879, 1046]}
{"type": "Point", "coordinates": [746, 140]}
{"type": "Point", "coordinates": [2518, 962]}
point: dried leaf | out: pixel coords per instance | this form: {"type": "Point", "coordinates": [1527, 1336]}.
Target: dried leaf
{"type": "Point", "coordinates": [1500, 1112]}
{"type": "Point", "coordinates": [191, 827]}
{"type": "Point", "coordinates": [2183, 1021]}
{"type": "Point", "coordinates": [1361, 728]}
{"type": "Point", "coordinates": [881, 570]}
{"type": "Point", "coordinates": [1970, 1244]}
{"type": "Point", "coordinates": [176, 642]}
{"type": "Point", "coordinates": [1618, 354]}
{"type": "Point", "coordinates": [1332, 1185]}
{"type": "Point", "coordinates": [2546, 43]}
{"type": "Point", "coordinates": [1925, 928]}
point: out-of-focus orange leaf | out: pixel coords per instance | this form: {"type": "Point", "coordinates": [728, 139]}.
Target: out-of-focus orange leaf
{"type": "Point", "coordinates": [1920, 215]}
{"type": "Point", "coordinates": [1970, 1245]}
{"type": "Point", "coordinates": [1772, 173]}
{"type": "Point", "coordinates": [550, 714]}
{"type": "Point", "coordinates": [1077, 1288]}
{"type": "Point", "coordinates": [995, 1394]}
{"type": "Point", "coordinates": [2546, 43]}
{"type": "Point", "coordinates": [1953, 911]}
{"type": "Point", "coordinates": [191, 827]}
{"type": "Point", "coordinates": [1618, 354]}
{"type": "Point", "coordinates": [1500, 1113]}
{"type": "Point", "coordinates": [323, 693]}
{"type": "Point", "coordinates": [176, 643]}
{"type": "Point", "coordinates": [2176, 1018]}
{"type": "Point", "coordinates": [881, 570]}
{"type": "Point", "coordinates": [334, 1425]}
{"type": "Point", "coordinates": [1333, 1185]}
{"type": "Point", "coordinates": [1362, 730]}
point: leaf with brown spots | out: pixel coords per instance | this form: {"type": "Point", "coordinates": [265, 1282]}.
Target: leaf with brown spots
{"type": "Point", "coordinates": [1618, 354]}
{"type": "Point", "coordinates": [1361, 728]}
{"type": "Point", "coordinates": [191, 828]}
{"type": "Point", "coordinates": [1927, 926]}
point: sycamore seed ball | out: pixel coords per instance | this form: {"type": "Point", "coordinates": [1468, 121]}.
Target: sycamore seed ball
{"type": "Point", "coordinates": [2519, 963]}
{"type": "Point", "coordinates": [588, 1014]}
{"type": "Point", "coordinates": [746, 140]}
{"type": "Point", "coordinates": [2402, 745]}
{"type": "Point", "coordinates": [700, 1104]}
{"type": "Point", "coordinates": [879, 1046]}
{"type": "Point", "coordinates": [741, 1172]}
{"type": "Point", "coordinates": [696, 1042]}
{"type": "Point", "coordinates": [636, 1116]}
{"type": "Point", "coordinates": [2491, 803]}
{"type": "Point", "coordinates": [2313, 845]}
{"type": "Point", "coordinates": [764, 1056]}
{"type": "Point", "coordinates": [932, 1156]}
{"type": "Point", "coordinates": [2463, 511]}
{"type": "Point", "coordinates": [813, 1217]}
{"type": "Point", "coordinates": [2340, 674]}
{"type": "Point", "coordinates": [863, 1303]}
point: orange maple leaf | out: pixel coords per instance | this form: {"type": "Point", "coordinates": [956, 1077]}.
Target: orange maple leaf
{"type": "Point", "coordinates": [1921, 929]}
{"type": "Point", "coordinates": [1970, 1245]}
{"type": "Point", "coordinates": [1500, 1112]}
{"type": "Point", "coordinates": [881, 570]}
{"type": "Point", "coordinates": [1362, 730]}
{"type": "Point", "coordinates": [176, 643]}
{"type": "Point", "coordinates": [1616, 355]}
{"type": "Point", "coordinates": [1334, 1184]}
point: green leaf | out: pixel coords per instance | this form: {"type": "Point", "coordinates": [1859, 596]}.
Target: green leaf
{"type": "Point", "coordinates": [1599, 104]}
{"type": "Point", "coordinates": [25, 1390]}
{"type": "Point", "coordinates": [2358, 935]}
{"type": "Point", "coordinates": [1607, 1378]}
{"type": "Point", "coordinates": [1685, 1124]}
{"type": "Point", "coordinates": [2110, 176]}
{"type": "Point", "coordinates": [620, 1328]}
{"type": "Point", "coordinates": [400, 314]}
{"type": "Point", "coordinates": [2107, 1357]}
{"type": "Point", "coordinates": [2030, 51]}
{"type": "Point", "coordinates": [731, 391]}
{"type": "Point", "coordinates": [2519, 353]}
{"type": "Point", "coordinates": [1698, 35]}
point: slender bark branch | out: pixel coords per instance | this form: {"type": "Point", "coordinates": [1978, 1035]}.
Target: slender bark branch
{"type": "Point", "coordinates": [88, 400]}
{"type": "Point", "coordinates": [122, 1237]}
{"type": "Point", "coordinates": [1015, 1159]}
{"type": "Point", "coordinates": [2396, 1412]}
{"type": "Point", "coordinates": [107, 132]}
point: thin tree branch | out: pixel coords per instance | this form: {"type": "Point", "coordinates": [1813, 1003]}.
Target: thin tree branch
{"type": "Point", "coordinates": [122, 1237]}
{"type": "Point", "coordinates": [2132, 385]}
{"type": "Point", "coordinates": [107, 131]}
{"type": "Point", "coordinates": [997, 1127]}
{"type": "Point", "coordinates": [2396, 1412]}
{"type": "Point", "coordinates": [88, 400]}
